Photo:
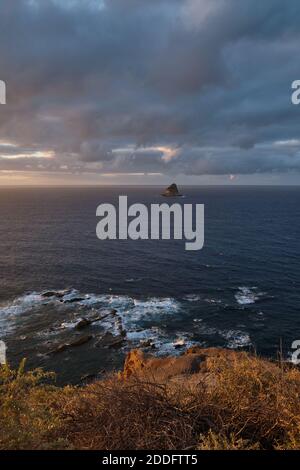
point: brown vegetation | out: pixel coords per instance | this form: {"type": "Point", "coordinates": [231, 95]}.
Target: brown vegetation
{"type": "Point", "coordinates": [204, 399]}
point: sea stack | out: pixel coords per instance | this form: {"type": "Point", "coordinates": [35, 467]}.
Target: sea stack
{"type": "Point", "coordinates": [171, 191]}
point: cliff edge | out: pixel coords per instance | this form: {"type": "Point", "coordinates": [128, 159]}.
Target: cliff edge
{"type": "Point", "coordinates": [205, 399]}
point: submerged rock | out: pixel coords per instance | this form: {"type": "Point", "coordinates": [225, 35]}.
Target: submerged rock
{"type": "Point", "coordinates": [73, 299]}
{"type": "Point", "coordinates": [171, 191]}
{"type": "Point", "coordinates": [52, 293]}
{"type": "Point", "coordinates": [58, 294]}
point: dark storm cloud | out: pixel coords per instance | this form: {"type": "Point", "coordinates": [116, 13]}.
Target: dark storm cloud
{"type": "Point", "coordinates": [112, 85]}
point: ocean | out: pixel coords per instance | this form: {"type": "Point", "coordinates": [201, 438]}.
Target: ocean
{"type": "Point", "coordinates": [241, 291]}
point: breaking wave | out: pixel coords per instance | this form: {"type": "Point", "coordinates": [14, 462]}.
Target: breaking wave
{"type": "Point", "coordinates": [248, 295]}
{"type": "Point", "coordinates": [145, 322]}
{"type": "Point", "coordinates": [116, 313]}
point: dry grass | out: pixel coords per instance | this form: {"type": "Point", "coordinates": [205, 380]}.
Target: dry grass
{"type": "Point", "coordinates": [247, 403]}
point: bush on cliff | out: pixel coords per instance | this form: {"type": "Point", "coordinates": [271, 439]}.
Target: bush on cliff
{"type": "Point", "coordinates": [212, 400]}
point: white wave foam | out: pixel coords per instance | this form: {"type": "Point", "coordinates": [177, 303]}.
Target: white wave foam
{"type": "Point", "coordinates": [213, 301]}
{"type": "Point", "coordinates": [237, 339]}
{"type": "Point", "coordinates": [192, 298]}
{"type": "Point", "coordinates": [71, 295]}
{"type": "Point", "coordinates": [92, 300]}
{"type": "Point", "coordinates": [153, 307]}
{"type": "Point", "coordinates": [120, 301]}
{"type": "Point", "coordinates": [159, 340]}
{"type": "Point", "coordinates": [69, 325]}
{"type": "Point", "coordinates": [132, 279]}
{"type": "Point", "coordinates": [248, 295]}
{"type": "Point", "coordinates": [157, 303]}
{"type": "Point", "coordinates": [133, 316]}
{"type": "Point", "coordinates": [136, 336]}
{"type": "Point", "coordinates": [170, 345]}
{"type": "Point", "coordinates": [206, 330]}
{"type": "Point", "coordinates": [19, 306]}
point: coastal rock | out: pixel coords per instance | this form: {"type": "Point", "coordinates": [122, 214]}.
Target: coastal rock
{"type": "Point", "coordinates": [105, 339]}
{"type": "Point", "coordinates": [147, 343]}
{"type": "Point", "coordinates": [48, 294]}
{"type": "Point", "coordinates": [59, 294]}
{"type": "Point", "coordinates": [73, 299]}
{"type": "Point", "coordinates": [81, 340]}
{"type": "Point", "coordinates": [108, 340]}
{"type": "Point", "coordinates": [52, 293]}
{"type": "Point", "coordinates": [117, 344]}
{"type": "Point", "coordinates": [103, 315]}
{"type": "Point", "coordinates": [179, 343]}
{"type": "Point", "coordinates": [60, 348]}
{"type": "Point", "coordinates": [83, 323]}
{"type": "Point", "coordinates": [135, 362]}
{"type": "Point", "coordinates": [77, 342]}
{"type": "Point", "coordinates": [193, 364]}
{"type": "Point", "coordinates": [171, 191]}
{"type": "Point", "coordinates": [86, 378]}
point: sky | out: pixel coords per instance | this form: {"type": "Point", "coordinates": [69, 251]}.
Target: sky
{"type": "Point", "coordinates": [149, 92]}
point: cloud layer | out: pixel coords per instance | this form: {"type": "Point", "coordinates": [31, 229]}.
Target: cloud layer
{"type": "Point", "coordinates": [189, 87]}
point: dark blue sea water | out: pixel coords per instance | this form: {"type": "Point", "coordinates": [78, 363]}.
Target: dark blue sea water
{"type": "Point", "coordinates": [241, 291]}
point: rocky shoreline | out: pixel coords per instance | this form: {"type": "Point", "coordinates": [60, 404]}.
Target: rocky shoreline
{"type": "Point", "coordinates": [139, 361]}
{"type": "Point", "coordinates": [81, 334]}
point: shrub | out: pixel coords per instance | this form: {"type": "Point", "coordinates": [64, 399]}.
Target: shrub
{"type": "Point", "coordinates": [27, 408]}
{"type": "Point", "coordinates": [242, 403]}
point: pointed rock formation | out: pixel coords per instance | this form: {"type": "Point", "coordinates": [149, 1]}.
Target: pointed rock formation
{"type": "Point", "coordinates": [171, 191]}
